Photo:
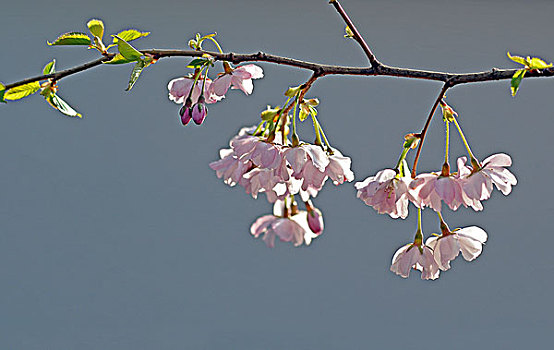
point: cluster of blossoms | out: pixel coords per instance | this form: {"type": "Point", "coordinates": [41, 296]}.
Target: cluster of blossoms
{"type": "Point", "coordinates": [391, 190]}
{"type": "Point", "coordinates": [280, 171]}
{"type": "Point", "coordinates": [195, 91]}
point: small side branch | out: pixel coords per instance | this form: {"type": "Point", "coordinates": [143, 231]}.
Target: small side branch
{"type": "Point", "coordinates": [357, 36]}
{"type": "Point", "coordinates": [445, 87]}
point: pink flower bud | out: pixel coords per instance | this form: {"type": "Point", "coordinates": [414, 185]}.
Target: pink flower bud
{"type": "Point", "coordinates": [315, 221]}
{"type": "Point", "coordinates": [199, 112]}
{"type": "Point", "coordinates": [185, 114]}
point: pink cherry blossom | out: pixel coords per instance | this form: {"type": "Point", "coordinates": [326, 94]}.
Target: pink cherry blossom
{"type": "Point", "coordinates": [179, 90]}
{"type": "Point", "coordinates": [446, 247]}
{"type": "Point", "coordinates": [429, 189]}
{"type": "Point", "coordinates": [417, 257]}
{"type": "Point", "coordinates": [478, 185]}
{"type": "Point", "coordinates": [289, 229]}
{"type": "Point", "coordinates": [239, 78]}
{"type": "Point", "coordinates": [338, 169]}
{"type": "Point", "coordinates": [230, 167]}
{"type": "Point", "coordinates": [385, 192]}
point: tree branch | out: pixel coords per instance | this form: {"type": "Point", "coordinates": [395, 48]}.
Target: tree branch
{"type": "Point", "coordinates": [321, 69]}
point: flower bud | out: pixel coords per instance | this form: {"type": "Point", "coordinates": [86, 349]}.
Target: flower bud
{"type": "Point", "coordinates": [315, 221]}
{"type": "Point", "coordinates": [186, 114]}
{"type": "Point", "coordinates": [199, 111]}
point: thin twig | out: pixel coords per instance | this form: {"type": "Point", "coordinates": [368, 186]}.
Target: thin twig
{"type": "Point", "coordinates": [357, 36]}
{"type": "Point", "coordinates": [445, 87]}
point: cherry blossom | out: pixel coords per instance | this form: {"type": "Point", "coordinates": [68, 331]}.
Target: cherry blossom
{"type": "Point", "coordinates": [478, 184]}
{"type": "Point", "coordinates": [385, 192]}
{"type": "Point", "coordinates": [288, 228]}
{"type": "Point", "coordinates": [446, 247]}
{"type": "Point", "coordinates": [429, 189]}
{"type": "Point", "coordinates": [179, 90]}
{"type": "Point", "coordinates": [237, 78]}
{"type": "Point", "coordinates": [419, 257]}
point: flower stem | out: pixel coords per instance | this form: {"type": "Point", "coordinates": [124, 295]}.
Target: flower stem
{"type": "Point", "coordinates": [216, 44]}
{"type": "Point", "coordinates": [473, 159]}
{"type": "Point", "coordinates": [402, 157]}
{"type": "Point", "coordinates": [447, 128]}
{"type": "Point", "coordinates": [445, 87]}
{"type": "Point", "coordinates": [418, 239]}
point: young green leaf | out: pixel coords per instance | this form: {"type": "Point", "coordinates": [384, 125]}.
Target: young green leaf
{"type": "Point", "coordinates": [198, 62]}
{"type": "Point", "coordinates": [119, 59]}
{"type": "Point", "coordinates": [73, 38]}
{"type": "Point", "coordinates": [2, 91]}
{"type": "Point", "coordinates": [518, 59]}
{"type": "Point", "coordinates": [129, 35]}
{"type": "Point", "coordinates": [516, 80]}
{"type": "Point", "coordinates": [349, 32]}
{"type": "Point", "coordinates": [62, 106]}
{"type": "Point", "coordinates": [50, 68]}
{"type": "Point", "coordinates": [127, 50]}
{"type": "Point", "coordinates": [135, 74]}
{"type": "Point", "coordinates": [96, 27]}
{"type": "Point", "coordinates": [537, 63]}
{"type": "Point", "coordinates": [292, 91]}
{"type": "Point", "coordinates": [21, 91]}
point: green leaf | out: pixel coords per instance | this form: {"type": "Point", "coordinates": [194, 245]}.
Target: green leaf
{"type": "Point", "coordinates": [537, 63]}
{"type": "Point", "coordinates": [119, 59]}
{"type": "Point", "coordinates": [21, 91]}
{"type": "Point", "coordinates": [127, 50]}
{"type": "Point", "coordinates": [129, 35]}
{"type": "Point", "coordinates": [518, 59]}
{"type": "Point", "coordinates": [2, 91]}
{"type": "Point", "coordinates": [49, 68]}
{"type": "Point", "coordinates": [135, 74]}
{"type": "Point", "coordinates": [62, 106]}
{"type": "Point", "coordinates": [96, 27]}
{"type": "Point", "coordinates": [516, 80]}
{"type": "Point", "coordinates": [197, 63]}
{"type": "Point", "coordinates": [73, 38]}
{"type": "Point", "coordinates": [303, 114]}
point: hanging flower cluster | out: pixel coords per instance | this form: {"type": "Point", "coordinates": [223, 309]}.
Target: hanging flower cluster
{"type": "Point", "coordinates": [391, 190]}
{"type": "Point", "coordinates": [262, 159]}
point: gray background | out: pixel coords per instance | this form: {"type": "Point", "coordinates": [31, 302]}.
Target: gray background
{"type": "Point", "coordinates": [115, 234]}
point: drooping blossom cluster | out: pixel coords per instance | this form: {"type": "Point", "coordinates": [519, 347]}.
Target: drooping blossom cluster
{"type": "Point", "coordinates": [280, 171]}
{"type": "Point", "coordinates": [391, 190]}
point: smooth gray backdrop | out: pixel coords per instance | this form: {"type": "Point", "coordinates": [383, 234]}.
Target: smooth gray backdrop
{"type": "Point", "coordinates": [115, 234]}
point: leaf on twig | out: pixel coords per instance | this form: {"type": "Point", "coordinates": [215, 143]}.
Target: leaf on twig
{"type": "Point", "coordinates": [127, 50]}
{"type": "Point", "coordinates": [62, 106]}
{"type": "Point", "coordinates": [119, 59]}
{"type": "Point", "coordinates": [129, 35]}
{"type": "Point", "coordinates": [49, 68]}
{"type": "Point", "coordinates": [21, 91]}
{"type": "Point", "coordinates": [73, 38]}
{"type": "Point", "coordinates": [96, 27]}
{"type": "Point", "coordinates": [516, 80]}
{"type": "Point", "coordinates": [135, 74]}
